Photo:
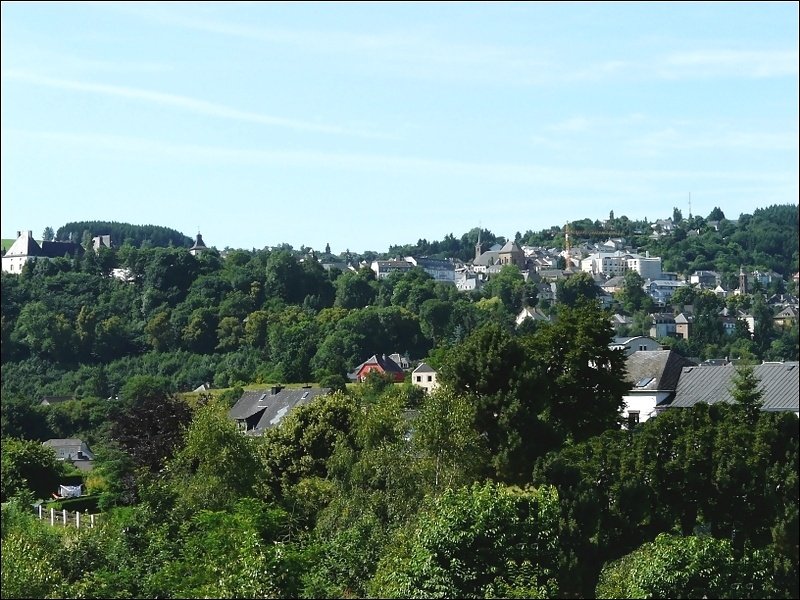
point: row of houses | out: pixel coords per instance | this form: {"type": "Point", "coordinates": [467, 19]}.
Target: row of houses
{"type": "Point", "coordinates": [659, 380]}
{"type": "Point", "coordinates": [663, 379]}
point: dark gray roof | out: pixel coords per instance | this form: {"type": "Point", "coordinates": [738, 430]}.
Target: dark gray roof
{"type": "Point", "coordinates": [198, 243]}
{"type": "Point", "coordinates": [249, 404]}
{"type": "Point", "coordinates": [487, 258]}
{"type": "Point", "coordinates": [655, 369]}
{"type": "Point", "coordinates": [424, 368]}
{"type": "Point", "coordinates": [62, 442]}
{"type": "Point", "coordinates": [59, 249]}
{"type": "Point", "coordinates": [272, 405]}
{"type": "Point", "coordinates": [710, 384]}
{"type": "Point", "coordinates": [56, 399]}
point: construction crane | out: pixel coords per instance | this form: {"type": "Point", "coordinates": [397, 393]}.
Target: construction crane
{"type": "Point", "coordinates": [583, 233]}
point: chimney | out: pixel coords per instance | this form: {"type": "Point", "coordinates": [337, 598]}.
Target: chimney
{"type": "Point", "coordinates": [19, 233]}
{"type": "Point", "coordinates": [30, 234]}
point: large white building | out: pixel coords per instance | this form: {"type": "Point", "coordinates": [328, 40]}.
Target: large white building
{"type": "Point", "coordinates": [613, 264]}
{"type": "Point", "coordinates": [26, 248]}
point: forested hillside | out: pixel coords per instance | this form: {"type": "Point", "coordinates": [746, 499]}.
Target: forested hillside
{"type": "Point", "coordinates": [513, 479]}
{"type": "Point", "coordinates": [123, 233]}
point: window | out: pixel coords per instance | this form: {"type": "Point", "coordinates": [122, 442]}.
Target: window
{"type": "Point", "coordinates": [419, 378]}
{"type": "Point", "coordinates": [642, 347]}
{"type": "Point", "coordinates": [633, 418]}
{"type": "Point", "coordinates": [430, 377]}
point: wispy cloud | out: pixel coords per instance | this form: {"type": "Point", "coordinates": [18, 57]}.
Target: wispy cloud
{"type": "Point", "coordinates": [723, 61]}
{"type": "Point", "coordinates": [186, 103]}
{"type": "Point", "coordinates": [586, 179]}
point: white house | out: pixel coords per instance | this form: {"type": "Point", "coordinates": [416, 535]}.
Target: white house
{"type": "Point", "coordinates": [653, 376]}
{"type": "Point", "coordinates": [439, 269]}
{"type": "Point", "coordinates": [26, 248]}
{"type": "Point", "coordinates": [425, 377]}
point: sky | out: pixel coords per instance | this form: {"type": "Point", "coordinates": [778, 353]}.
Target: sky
{"type": "Point", "coordinates": [365, 125]}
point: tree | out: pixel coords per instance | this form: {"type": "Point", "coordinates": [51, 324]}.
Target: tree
{"type": "Point", "coordinates": [572, 290]}
{"type": "Point", "coordinates": [475, 542]}
{"type": "Point", "coordinates": [579, 375]}
{"type": "Point", "coordinates": [716, 214]}
{"type": "Point", "coordinates": [444, 432]}
{"type": "Point", "coordinates": [677, 216]}
{"type": "Point", "coordinates": [632, 295]}
{"type": "Point", "coordinates": [28, 465]}
{"type": "Point", "coordinates": [151, 423]}
{"type": "Point", "coordinates": [48, 235]}
{"type": "Point", "coordinates": [745, 390]}
{"type": "Point", "coordinates": [686, 567]}
{"type": "Point", "coordinates": [511, 288]}
{"type": "Point", "coordinates": [217, 465]}
{"type": "Point", "coordinates": [354, 290]}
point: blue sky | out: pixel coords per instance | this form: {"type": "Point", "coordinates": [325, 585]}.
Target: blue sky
{"type": "Point", "coordinates": [364, 125]}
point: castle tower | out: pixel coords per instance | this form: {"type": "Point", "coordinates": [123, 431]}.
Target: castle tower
{"type": "Point", "coordinates": [199, 246]}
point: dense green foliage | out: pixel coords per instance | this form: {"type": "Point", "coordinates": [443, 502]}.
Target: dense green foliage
{"type": "Point", "coordinates": [122, 233]}
{"type": "Point", "coordinates": [512, 479]}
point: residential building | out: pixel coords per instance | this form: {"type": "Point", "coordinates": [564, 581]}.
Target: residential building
{"type": "Point", "coordinates": [440, 269]}
{"type": "Point", "coordinates": [646, 266]}
{"type": "Point", "coordinates": [786, 317]}
{"type": "Point", "coordinates": [661, 290]}
{"type": "Point", "coordinates": [259, 410]}
{"type": "Point", "coordinates": [25, 248]}
{"type": "Point", "coordinates": [101, 241]}
{"type": "Point", "coordinates": [639, 343]}
{"type": "Point", "coordinates": [778, 383]}
{"type": "Point", "coordinates": [684, 323]}
{"type": "Point", "coordinates": [663, 325]}
{"type": "Point", "coordinates": [424, 376]}
{"type": "Point", "coordinates": [653, 376]}
{"type": "Point", "coordinates": [707, 280]}
{"type": "Point", "coordinates": [72, 449]}
{"type": "Point", "coordinates": [535, 314]}
{"type": "Point", "coordinates": [380, 364]}
{"type": "Point", "coordinates": [384, 268]}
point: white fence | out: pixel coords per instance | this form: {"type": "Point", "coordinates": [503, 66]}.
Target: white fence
{"type": "Point", "coordinates": [64, 517]}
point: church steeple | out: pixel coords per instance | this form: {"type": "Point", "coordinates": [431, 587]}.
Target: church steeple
{"type": "Point", "coordinates": [478, 245]}
{"type": "Point", "coordinates": [199, 246]}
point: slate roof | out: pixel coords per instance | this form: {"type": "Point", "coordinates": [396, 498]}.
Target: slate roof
{"type": "Point", "coordinates": [653, 370]}
{"type": "Point", "coordinates": [59, 249]}
{"type": "Point", "coordinates": [424, 368]}
{"type": "Point", "coordinates": [272, 405]}
{"type": "Point", "coordinates": [199, 243]}
{"type": "Point", "coordinates": [48, 400]}
{"type": "Point", "coordinates": [24, 245]}
{"type": "Point", "coordinates": [510, 246]}
{"type": "Point", "coordinates": [285, 401]}
{"type": "Point", "coordinates": [487, 258]}
{"type": "Point", "coordinates": [383, 361]}
{"type": "Point", "coordinates": [779, 383]}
